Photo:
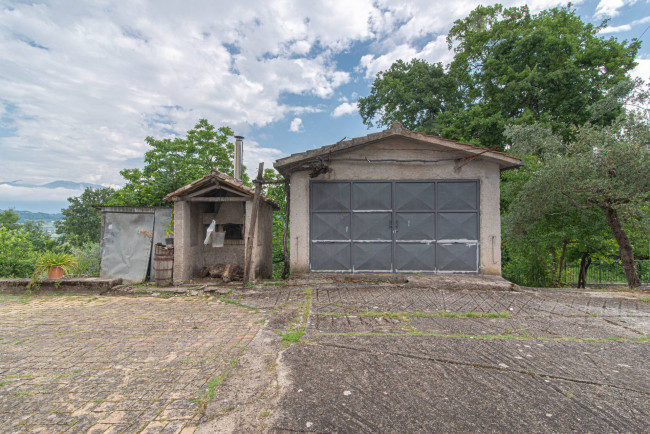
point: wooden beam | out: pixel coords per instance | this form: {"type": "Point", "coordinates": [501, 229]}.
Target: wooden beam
{"type": "Point", "coordinates": [217, 199]}
{"type": "Point", "coordinates": [251, 230]}
{"type": "Point", "coordinates": [203, 190]}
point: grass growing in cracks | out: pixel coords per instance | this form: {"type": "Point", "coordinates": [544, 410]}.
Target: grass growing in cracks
{"type": "Point", "coordinates": [296, 331]}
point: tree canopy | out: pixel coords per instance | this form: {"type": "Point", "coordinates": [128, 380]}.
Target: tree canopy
{"type": "Point", "coordinates": [173, 163]}
{"type": "Point", "coordinates": [509, 67]}
{"type": "Point", "coordinates": [81, 222]}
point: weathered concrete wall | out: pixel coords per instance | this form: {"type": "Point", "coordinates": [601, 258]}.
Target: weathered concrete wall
{"type": "Point", "coordinates": [401, 148]}
{"type": "Point", "coordinates": [190, 254]}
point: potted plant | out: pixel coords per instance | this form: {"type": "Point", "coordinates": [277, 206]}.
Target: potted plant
{"type": "Point", "coordinates": [55, 265]}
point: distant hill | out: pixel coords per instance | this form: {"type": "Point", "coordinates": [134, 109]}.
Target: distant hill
{"type": "Point", "coordinates": [54, 184]}
{"type": "Point", "coordinates": [41, 216]}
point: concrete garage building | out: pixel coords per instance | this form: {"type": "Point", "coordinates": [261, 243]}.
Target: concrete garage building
{"type": "Point", "coordinates": [396, 201]}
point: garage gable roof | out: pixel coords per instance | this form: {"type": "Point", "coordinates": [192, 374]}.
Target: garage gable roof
{"type": "Point", "coordinates": [295, 162]}
{"type": "Point", "coordinates": [217, 179]}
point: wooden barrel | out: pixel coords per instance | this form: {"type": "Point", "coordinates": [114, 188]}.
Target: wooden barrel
{"type": "Point", "coordinates": [163, 264]}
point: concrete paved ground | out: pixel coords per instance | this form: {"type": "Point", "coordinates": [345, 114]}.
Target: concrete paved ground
{"type": "Point", "coordinates": [381, 357]}
{"type": "Point", "coordinates": [115, 364]}
{"type": "Point", "coordinates": [328, 355]}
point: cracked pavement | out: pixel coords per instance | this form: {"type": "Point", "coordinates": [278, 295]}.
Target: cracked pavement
{"type": "Point", "coordinates": [382, 357]}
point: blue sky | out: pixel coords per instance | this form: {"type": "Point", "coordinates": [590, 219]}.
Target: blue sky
{"type": "Point", "coordinates": [83, 83]}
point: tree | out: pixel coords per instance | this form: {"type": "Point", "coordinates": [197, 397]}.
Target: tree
{"type": "Point", "coordinates": [173, 163]}
{"type": "Point", "coordinates": [81, 222]}
{"type": "Point", "coordinates": [17, 254]}
{"type": "Point", "coordinates": [9, 219]}
{"type": "Point", "coordinates": [33, 230]}
{"type": "Point", "coordinates": [510, 67]}
{"type": "Point", "coordinates": [605, 169]}
{"type": "Point", "coordinates": [414, 93]}
{"type": "Point", "coordinates": [278, 193]}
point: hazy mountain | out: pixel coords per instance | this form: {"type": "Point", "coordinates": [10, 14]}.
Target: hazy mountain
{"type": "Point", "coordinates": [71, 185]}
{"type": "Point", "coordinates": [43, 216]}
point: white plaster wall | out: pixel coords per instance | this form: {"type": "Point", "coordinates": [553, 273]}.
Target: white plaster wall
{"type": "Point", "coordinates": [401, 148]}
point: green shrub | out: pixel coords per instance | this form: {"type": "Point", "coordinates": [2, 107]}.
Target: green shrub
{"type": "Point", "coordinates": [88, 256]}
{"type": "Point", "coordinates": [17, 253]}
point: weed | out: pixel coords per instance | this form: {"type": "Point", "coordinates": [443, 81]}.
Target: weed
{"type": "Point", "coordinates": [4, 383]}
{"type": "Point", "coordinates": [166, 295]}
{"type": "Point", "coordinates": [595, 315]}
{"type": "Point", "coordinates": [276, 283]}
{"type": "Point", "coordinates": [20, 342]}
{"type": "Point", "coordinates": [265, 413]}
{"type": "Point", "coordinates": [293, 336]}
{"type": "Point", "coordinates": [569, 394]}
{"type": "Point", "coordinates": [645, 299]}
{"type": "Point", "coordinates": [238, 303]}
{"type": "Point", "coordinates": [73, 422]}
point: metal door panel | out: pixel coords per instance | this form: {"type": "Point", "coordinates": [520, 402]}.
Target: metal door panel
{"type": "Point", "coordinates": [457, 196]}
{"type": "Point", "coordinates": [330, 196]}
{"type": "Point", "coordinates": [412, 226]}
{"type": "Point", "coordinates": [415, 196]}
{"type": "Point", "coordinates": [330, 226]}
{"type": "Point", "coordinates": [457, 257]}
{"type": "Point", "coordinates": [372, 226]}
{"type": "Point", "coordinates": [415, 226]}
{"type": "Point", "coordinates": [415, 257]}
{"type": "Point", "coordinates": [330, 257]}
{"type": "Point", "coordinates": [371, 196]}
{"type": "Point", "coordinates": [126, 246]}
{"type": "Point", "coordinates": [457, 226]}
{"type": "Point", "coordinates": [372, 257]}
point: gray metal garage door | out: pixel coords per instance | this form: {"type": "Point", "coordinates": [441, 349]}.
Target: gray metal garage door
{"type": "Point", "coordinates": [394, 226]}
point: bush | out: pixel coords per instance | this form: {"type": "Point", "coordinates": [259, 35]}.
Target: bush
{"type": "Point", "coordinates": [88, 256]}
{"type": "Point", "coordinates": [17, 254]}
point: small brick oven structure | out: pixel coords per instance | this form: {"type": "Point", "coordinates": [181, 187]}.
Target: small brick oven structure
{"type": "Point", "coordinates": [228, 202]}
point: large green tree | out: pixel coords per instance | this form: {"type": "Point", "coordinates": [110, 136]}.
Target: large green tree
{"type": "Point", "coordinates": [173, 163]}
{"type": "Point", "coordinates": [509, 67]}
{"type": "Point", "coordinates": [81, 222]}
{"type": "Point", "coordinates": [603, 170]}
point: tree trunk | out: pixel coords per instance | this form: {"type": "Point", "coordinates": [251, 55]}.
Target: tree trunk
{"type": "Point", "coordinates": [624, 246]}
{"type": "Point", "coordinates": [585, 262]}
{"type": "Point", "coordinates": [559, 271]}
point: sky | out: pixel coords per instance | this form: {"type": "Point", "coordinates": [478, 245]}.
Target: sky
{"type": "Point", "coordinates": [83, 83]}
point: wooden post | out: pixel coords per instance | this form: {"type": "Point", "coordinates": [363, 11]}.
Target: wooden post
{"type": "Point", "coordinates": [287, 189]}
{"type": "Point", "coordinates": [248, 259]}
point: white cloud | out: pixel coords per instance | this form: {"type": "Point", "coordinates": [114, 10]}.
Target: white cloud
{"type": "Point", "coordinates": [345, 109]}
{"type": "Point", "coordinates": [642, 70]}
{"type": "Point", "coordinates": [296, 125]}
{"type": "Point", "coordinates": [615, 29]}
{"type": "Point", "coordinates": [610, 8]}
{"type": "Point", "coordinates": [83, 83]}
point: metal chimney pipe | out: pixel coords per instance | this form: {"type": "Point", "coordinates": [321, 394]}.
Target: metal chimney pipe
{"type": "Point", "coordinates": [239, 157]}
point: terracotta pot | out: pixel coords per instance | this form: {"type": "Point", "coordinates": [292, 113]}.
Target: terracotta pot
{"type": "Point", "coordinates": [55, 273]}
